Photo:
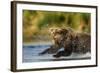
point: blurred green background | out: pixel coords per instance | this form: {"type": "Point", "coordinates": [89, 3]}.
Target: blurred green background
{"type": "Point", "coordinates": [37, 23]}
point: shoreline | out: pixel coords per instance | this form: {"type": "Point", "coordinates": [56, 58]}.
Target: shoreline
{"type": "Point", "coordinates": [37, 43]}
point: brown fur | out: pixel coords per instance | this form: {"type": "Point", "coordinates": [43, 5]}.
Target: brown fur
{"type": "Point", "coordinates": [70, 40]}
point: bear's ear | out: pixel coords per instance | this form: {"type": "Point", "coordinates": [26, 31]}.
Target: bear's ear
{"type": "Point", "coordinates": [71, 33]}
{"type": "Point", "coordinates": [64, 31]}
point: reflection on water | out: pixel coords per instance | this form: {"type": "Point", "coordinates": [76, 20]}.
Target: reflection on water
{"type": "Point", "coordinates": [30, 54]}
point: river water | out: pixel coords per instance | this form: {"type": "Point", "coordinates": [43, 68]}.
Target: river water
{"type": "Point", "coordinates": [31, 54]}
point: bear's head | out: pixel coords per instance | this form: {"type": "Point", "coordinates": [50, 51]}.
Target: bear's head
{"type": "Point", "coordinates": [60, 34]}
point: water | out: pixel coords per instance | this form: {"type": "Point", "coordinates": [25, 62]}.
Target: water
{"type": "Point", "coordinates": [31, 54]}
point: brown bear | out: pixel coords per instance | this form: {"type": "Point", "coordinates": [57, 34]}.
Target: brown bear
{"type": "Point", "coordinates": [70, 40]}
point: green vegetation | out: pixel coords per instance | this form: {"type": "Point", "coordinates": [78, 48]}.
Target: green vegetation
{"type": "Point", "coordinates": [37, 23]}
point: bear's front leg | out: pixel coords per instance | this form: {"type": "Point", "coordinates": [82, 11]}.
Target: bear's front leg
{"type": "Point", "coordinates": [53, 49]}
{"type": "Point", "coordinates": [66, 52]}
{"type": "Point", "coordinates": [62, 53]}
{"type": "Point", "coordinates": [44, 52]}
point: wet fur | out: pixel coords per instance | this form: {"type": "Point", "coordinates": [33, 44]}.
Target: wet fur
{"type": "Point", "coordinates": [70, 40]}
